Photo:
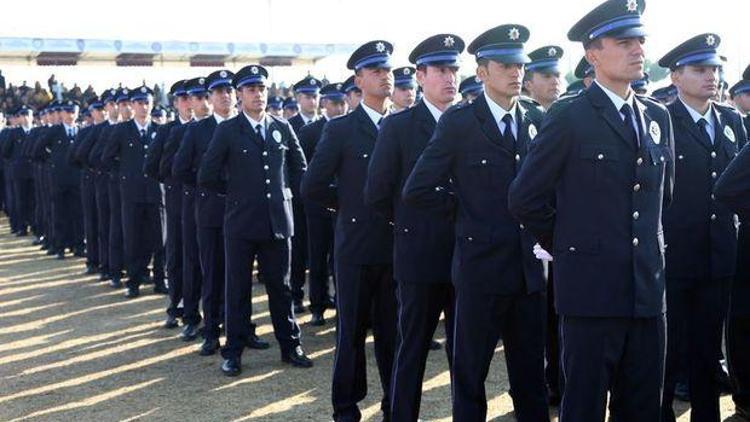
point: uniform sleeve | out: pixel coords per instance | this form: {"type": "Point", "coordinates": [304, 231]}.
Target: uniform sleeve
{"type": "Point", "coordinates": [7, 145]}
{"type": "Point", "coordinates": [111, 149]}
{"type": "Point", "coordinates": [424, 188]}
{"type": "Point", "coordinates": [383, 173]}
{"type": "Point", "coordinates": [318, 182]}
{"type": "Point", "coordinates": [733, 186]}
{"type": "Point", "coordinates": [182, 163]}
{"type": "Point", "coordinates": [212, 166]}
{"type": "Point", "coordinates": [297, 165]}
{"type": "Point", "coordinates": [40, 146]}
{"type": "Point", "coordinates": [669, 174]}
{"type": "Point", "coordinates": [71, 154]}
{"type": "Point", "coordinates": [530, 195]}
{"type": "Point", "coordinates": [82, 151]}
{"type": "Point", "coordinates": [170, 148]}
{"type": "Point", "coordinates": [153, 156]}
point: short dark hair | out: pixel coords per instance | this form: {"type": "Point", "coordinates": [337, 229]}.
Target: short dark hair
{"type": "Point", "coordinates": [595, 44]}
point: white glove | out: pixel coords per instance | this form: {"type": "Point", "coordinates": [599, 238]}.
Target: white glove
{"type": "Point", "coordinates": [541, 254]}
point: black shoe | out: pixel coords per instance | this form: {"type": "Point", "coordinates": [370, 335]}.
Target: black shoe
{"type": "Point", "coordinates": [22, 233]}
{"type": "Point", "coordinates": [105, 276]}
{"type": "Point", "coordinates": [231, 367]}
{"type": "Point", "coordinates": [133, 292]}
{"type": "Point", "coordinates": [190, 332]}
{"type": "Point", "coordinates": [160, 288]}
{"type": "Point", "coordinates": [209, 347]}
{"type": "Point", "coordinates": [725, 385]}
{"type": "Point", "coordinates": [90, 269]}
{"type": "Point", "coordinates": [255, 342]}
{"type": "Point", "coordinates": [317, 319]}
{"type": "Point", "coordinates": [299, 308]}
{"type": "Point", "coordinates": [61, 254]}
{"type": "Point", "coordinates": [682, 392]}
{"type": "Point", "coordinates": [115, 283]}
{"type": "Point", "coordinates": [44, 247]}
{"type": "Point", "coordinates": [435, 345]}
{"type": "Point", "coordinates": [51, 251]}
{"type": "Point", "coordinates": [171, 322]}
{"type": "Point", "coordinates": [36, 242]}
{"type": "Point", "coordinates": [742, 411]}
{"type": "Point", "coordinates": [78, 252]}
{"type": "Point", "coordinates": [296, 357]}
{"type": "Point", "coordinates": [330, 303]}
{"type": "Point", "coordinates": [553, 397]}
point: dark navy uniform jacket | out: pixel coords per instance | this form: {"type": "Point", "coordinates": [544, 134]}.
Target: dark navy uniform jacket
{"type": "Point", "coordinates": [260, 177]}
{"type": "Point", "coordinates": [82, 153]}
{"type": "Point", "coordinates": [56, 142]}
{"type": "Point", "coordinates": [97, 152]}
{"type": "Point", "coordinates": [492, 253]}
{"type": "Point", "coordinates": [298, 123]}
{"type": "Point", "coordinates": [82, 135]}
{"type": "Point", "coordinates": [605, 230]}
{"type": "Point", "coordinates": [154, 154]}
{"type": "Point", "coordinates": [171, 145]}
{"type": "Point", "coordinates": [336, 179]}
{"type": "Point", "coordinates": [187, 161]}
{"type": "Point", "coordinates": [128, 148]}
{"type": "Point", "coordinates": [14, 149]}
{"type": "Point", "coordinates": [424, 238]}
{"type": "Point", "coordinates": [309, 136]}
{"type": "Point", "coordinates": [700, 233]}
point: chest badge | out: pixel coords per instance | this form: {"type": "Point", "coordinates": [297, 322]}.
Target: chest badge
{"type": "Point", "coordinates": [276, 136]}
{"type": "Point", "coordinates": [532, 132]}
{"type": "Point", "coordinates": [729, 133]}
{"type": "Point", "coordinates": [655, 132]}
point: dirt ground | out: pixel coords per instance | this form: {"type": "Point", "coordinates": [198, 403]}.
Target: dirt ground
{"type": "Point", "coordinates": [73, 349]}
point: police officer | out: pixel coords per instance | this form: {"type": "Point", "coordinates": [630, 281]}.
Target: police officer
{"type": "Point", "coordinates": [665, 95]}
{"type": "Point", "coordinates": [192, 278]}
{"type": "Point", "coordinates": [542, 77]}
{"type": "Point", "coordinates": [404, 88]}
{"type": "Point", "coordinates": [321, 220]}
{"type": "Point", "coordinates": [585, 72]}
{"type": "Point", "coordinates": [607, 157]}
{"type": "Point", "coordinates": [733, 189]}
{"type": "Point", "coordinates": [640, 86]}
{"type": "Point", "coordinates": [262, 161]}
{"type": "Point", "coordinates": [209, 204]}
{"type": "Point", "coordinates": [701, 233]}
{"type": "Point", "coordinates": [290, 108]}
{"type": "Point", "coordinates": [141, 196]}
{"type": "Point", "coordinates": [172, 201]}
{"type": "Point", "coordinates": [39, 189]}
{"type": "Point", "coordinates": [480, 146]}
{"type": "Point", "coordinates": [423, 244]}
{"type": "Point", "coordinates": [470, 88]}
{"type": "Point", "coordinates": [363, 238]}
{"type": "Point", "coordinates": [307, 94]}
{"type": "Point", "coordinates": [274, 107]}
{"type": "Point", "coordinates": [740, 94]}
{"type": "Point", "coordinates": [21, 174]}
{"type": "Point", "coordinates": [353, 93]}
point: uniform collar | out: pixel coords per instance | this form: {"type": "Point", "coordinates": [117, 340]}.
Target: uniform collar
{"type": "Point", "coordinates": [497, 111]}
{"type": "Point", "coordinates": [436, 113]}
{"type": "Point", "coordinates": [372, 114]}
{"type": "Point", "coordinates": [253, 122]}
{"type": "Point", "coordinates": [616, 99]}
{"type": "Point", "coordinates": [142, 128]}
{"type": "Point", "coordinates": [697, 116]}
{"type": "Point", "coordinates": [219, 119]}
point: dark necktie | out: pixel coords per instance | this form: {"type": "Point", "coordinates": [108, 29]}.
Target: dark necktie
{"type": "Point", "coordinates": [632, 135]}
{"type": "Point", "coordinates": [703, 126]}
{"type": "Point", "coordinates": [508, 131]}
{"type": "Point", "coordinates": [143, 134]}
{"type": "Point", "coordinates": [259, 132]}
{"type": "Point", "coordinates": [380, 121]}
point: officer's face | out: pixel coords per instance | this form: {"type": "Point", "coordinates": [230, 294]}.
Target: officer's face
{"type": "Point", "coordinates": [69, 117]}
{"type": "Point", "coordinates": [618, 60]}
{"type": "Point", "coordinates": [701, 82]}
{"type": "Point", "coordinates": [160, 119]}
{"type": "Point", "coordinates": [308, 103]}
{"type": "Point", "coordinates": [334, 108]}
{"type": "Point", "coordinates": [142, 108]}
{"type": "Point", "coordinates": [253, 98]}
{"type": "Point", "coordinates": [404, 97]}
{"type": "Point", "coordinates": [200, 105]}
{"type": "Point", "coordinates": [125, 109]}
{"type": "Point", "coordinates": [275, 111]}
{"type": "Point", "coordinates": [439, 83]}
{"type": "Point", "coordinates": [544, 87]}
{"type": "Point", "coordinates": [290, 112]}
{"type": "Point", "coordinates": [222, 99]}
{"type": "Point", "coordinates": [353, 99]}
{"type": "Point", "coordinates": [97, 115]}
{"type": "Point", "coordinates": [111, 108]}
{"type": "Point", "coordinates": [24, 119]}
{"type": "Point", "coordinates": [742, 101]}
{"type": "Point", "coordinates": [182, 104]}
{"type": "Point", "coordinates": [501, 79]}
{"type": "Point", "coordinates": [376, 82]}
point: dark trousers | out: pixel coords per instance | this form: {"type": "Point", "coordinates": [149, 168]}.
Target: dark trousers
{"type": "Point", "coordinates": [419, 309]}
{"type": "Point", "coordinates": [299, 251]}
{"type": "Point", "coordinates": [320, 248]}
{"type": "Point", "coordinates": [68, 217]}
{"type": "Point", "coordinates": [211, 247]}
{"type": "Point", "coordinates": [622, 356]}
{"type": "Point", "coordinates": [481, 319]}
{"type": "Point", "coordinates": [40, 223]}
{"type": "Point", "coordinates": [90, 221]}
{"type": "Point", "coordinates": [192, 280]}
{"type": "Point", "coordinates": [116, 243]}
{"type": "Point", "coordinates": [738, 345]}
{"type": "Point", "coordinates": [101, 190]}
{"type": "Point", "coordinates": [552, 348]}
{"type": "Point", "coordinates": [362, 291]}
{"type": "Point", "coordinates": [23, 192]}
{"type": "Point", "coordinates": [173, 205]}
{"type": "Point", "coordinates": [694, 326]}
{"type": "Point", "coordinates": [142, 233]}
{"type": "Point", "coordinates": [49, 211]}
{"type": "Point", "coordinates": [10, 206]}
{"type": "Point", "coordinates": [273, 263]}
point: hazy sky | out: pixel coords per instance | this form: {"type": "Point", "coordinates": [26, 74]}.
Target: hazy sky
{"type": "Point", "coordinates": [404, 23]}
